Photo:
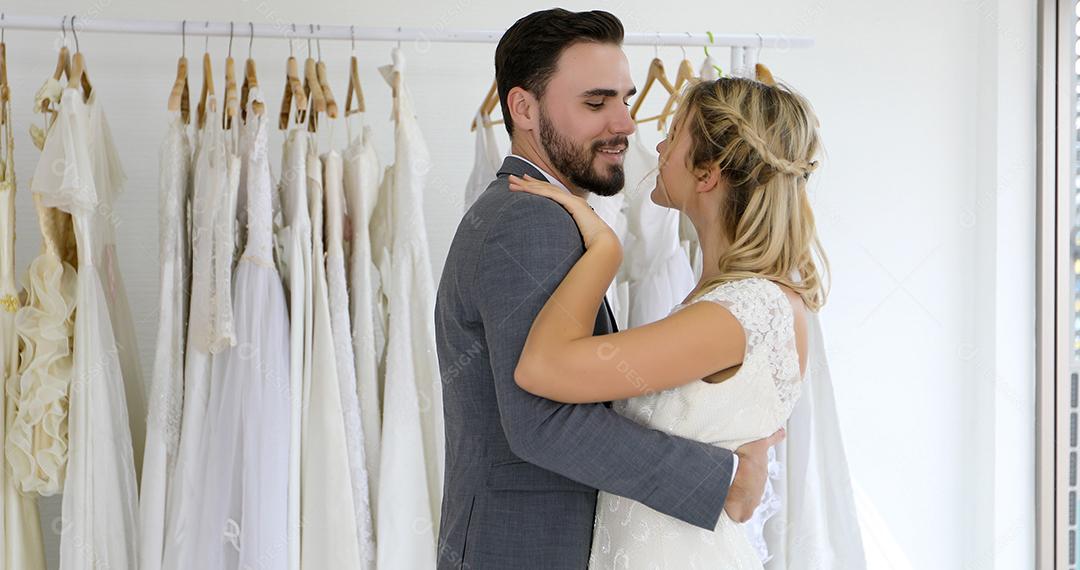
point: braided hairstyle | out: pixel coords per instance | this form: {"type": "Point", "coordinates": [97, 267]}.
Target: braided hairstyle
{"type": "Point", "coordinates": [763, 137]}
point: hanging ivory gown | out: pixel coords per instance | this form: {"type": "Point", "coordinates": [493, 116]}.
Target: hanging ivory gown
{"type": "Point", "coordinates": [165, 406]}
{"type": "Point", "coordinates": [329, 536]}
{"type": "Point", "coordinates": [22, 545]}
{"type": "Point", "coordinates": [109, 180]}
{"type": "Point", "coordinates": [295, 269]}
{"type": "Point", "coordinates": [486, 161]}
{"type": "Point", "coordinates": [99, 502]}
{"type": "Point", "coordinates": [211, 180]}
{"type": "Point", "coordinates": [245, 488]}
{"type": "Point", "coordinates": [657, 270]}
{"type": "Point", "coordinates": [343, 353]}
{"type": "Point", "coordinates": [612, 209]}
{"type": "Point", "coordinates": [410, 478]}
{"type": "Point", "coordinates": [361, 192]}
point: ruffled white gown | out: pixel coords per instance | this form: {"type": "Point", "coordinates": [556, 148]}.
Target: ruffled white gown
{"type": "Point", "coordinates": [410, 478]}
{"type": "Point", "coordinates": [362, 172]}
{"type": "Point", "coordinates": [21, 545]}
{"type": "Point", "coordinates": [166, 403]}
{"type": "Point", "coordinates": [329, 536]}
{"type": "Point", "coordinates": [245, 489]}
{"type": "Point", "coordinates": [343, 353]}
{"type": "Point", "coordinates": [99, 502]}
{"type": "Point", "coordinates": [750, 405]}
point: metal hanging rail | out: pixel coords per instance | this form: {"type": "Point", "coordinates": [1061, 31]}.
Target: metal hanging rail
{"type": "Point", "coordinates": [303, 30]}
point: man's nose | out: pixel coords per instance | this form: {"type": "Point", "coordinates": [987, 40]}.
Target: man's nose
{"type": "Point", "coordinates": [623, 123]}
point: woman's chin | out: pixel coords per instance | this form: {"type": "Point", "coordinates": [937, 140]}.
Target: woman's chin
{"type": "Point", "coordinates": [658, 197]}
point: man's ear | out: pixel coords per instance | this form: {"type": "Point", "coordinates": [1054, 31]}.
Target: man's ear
{"type": "Point", "coordinates": [523, 109]}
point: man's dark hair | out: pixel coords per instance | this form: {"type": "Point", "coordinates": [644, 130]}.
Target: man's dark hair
{"type": "Point", "coordinates": [529, 51]}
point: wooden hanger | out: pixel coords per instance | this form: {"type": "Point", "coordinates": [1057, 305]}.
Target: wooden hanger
{"type": "Point", "coordinates": [5, 91]}
{"type": "Point", "coordinates": [180, 96]}
{"type": "Point", "coordinates": [488, 106]}
{"type": "Point", "coordinates": [354, 82]}
{"type": "Point", "coordinates": [250, 81]}
{"type": "Point", "coordinates": [324, 83]}
{"type": "Point", "coordinates": [232, 97]}
{"type": "Point", "coordinates": [312, 89]}
{"type": "Point", "coordinates": [684, 75]}
{"type": "Point", "coordinates": [207, 90]}
{"type": "Point", "coordinates": [656, 74]}
{"type": "Point", "coordinates": [78, 75]}
{"type": "Point", "coordinates": [294, 92]}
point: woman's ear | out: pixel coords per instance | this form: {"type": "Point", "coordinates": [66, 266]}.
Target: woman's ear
{"type": "Point", "coordinates": [523, 109]}
{"type": "Point", "coordinates": [708, 179]}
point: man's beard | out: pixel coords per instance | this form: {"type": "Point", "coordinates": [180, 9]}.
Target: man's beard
{"type": "Point", "coordinates": [576, 163]}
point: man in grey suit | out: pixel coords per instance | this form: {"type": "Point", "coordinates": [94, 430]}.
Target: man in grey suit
{"type": "Point", "coordinates": [522, 472]}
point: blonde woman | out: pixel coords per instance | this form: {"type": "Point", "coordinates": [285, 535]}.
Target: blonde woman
{"type": "Point", "coordinates": [727, 371]}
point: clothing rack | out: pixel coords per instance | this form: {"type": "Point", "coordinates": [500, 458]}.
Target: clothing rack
{"type": "Point", "coordinates": [297, 30]}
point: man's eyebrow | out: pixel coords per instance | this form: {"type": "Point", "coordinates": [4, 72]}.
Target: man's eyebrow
{"type": "Point", "coordinates": [606, 92]}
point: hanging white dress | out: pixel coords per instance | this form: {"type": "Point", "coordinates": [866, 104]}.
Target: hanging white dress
{"type": "Point", "coordinates": [410, 478]}
{"type": "Point", "coordinates": [166, 402]}
{"type": "Point", "coordinates": [486, 160]}
{"type": "Point", "coordinates": [210, 175]}
{"type": "Point", "coordinates": [295, 268]}
{"type": "Point", "coordinates": [245, 488]}
{"type": "Point", "coordinates": [21, 545]}
{"type": "Point", "coordinates": [109, 179]}
{"type": "Point", "coordinates": [99, 503]}
{"type": "Point", "coordinates": [343, 353]}
{"type": "Point", "coordinates": [328, 536]}
{"type": "Point", "coordinates": [750, 405]}
{"type": "Point", "coordinates": [612, 209]}
{"type": "Point", "coordinates": [362, 172]}
{"type": "Point", "coordinates": [657, 269]}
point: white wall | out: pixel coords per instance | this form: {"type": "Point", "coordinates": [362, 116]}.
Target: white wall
{"type": "Point", "coordinates": [932, 295]}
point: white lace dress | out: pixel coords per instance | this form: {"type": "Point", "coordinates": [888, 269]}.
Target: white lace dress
{"type": "Point", "coordinates": [343, 353]}
{"type": "Point", "coordinates": [166, 402]}
{"type": "Point", "coordinates": [211, 180]}
{"type": "Point", "coordinates": [329, 536]}
{"type": "Point", "coordinates": [245, 488]}
{"type": "Point", "coordinates": [411, 470]}
{"type": "Point", "coordinates": [100, 494]}
{"type": "Point", "coordinates": [750, 405]}
{"type": "Point", "coordinates": [362, 172]}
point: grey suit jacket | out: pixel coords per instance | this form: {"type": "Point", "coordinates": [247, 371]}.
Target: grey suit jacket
{"type": "Point", "coordinates": [522, 472]}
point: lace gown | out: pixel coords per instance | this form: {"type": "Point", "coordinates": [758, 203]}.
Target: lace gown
{"type": "Point", "coordinates": [245, 489]}
{"type": "Point", "coordinates": [167, 390]}
{"type": "Point", "coordinates": [343, 354]}
{"type": "Point", "coordinates": [750, 405]}
{"type": "Point", "coordinates": [329, 536]}
{"type": "Point", "coordinates": [361, 193]}
{"type": "Point", "coordinates": [210, 181]}
{"type": "Point", "coordinates": [410, 478]}
{"type": "Point", "coordinates": [99, 502]}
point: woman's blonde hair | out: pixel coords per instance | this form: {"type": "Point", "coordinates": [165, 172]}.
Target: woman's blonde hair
{"type": "Point", "coordinates": [764, 138]}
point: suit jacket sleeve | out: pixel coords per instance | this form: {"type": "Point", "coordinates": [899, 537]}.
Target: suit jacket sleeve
{"type": "Point", "coordinates": [525, 255]}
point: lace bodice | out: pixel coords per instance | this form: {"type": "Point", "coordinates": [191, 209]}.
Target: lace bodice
{"type": "Point", "coordinates": [750, 405]}
{"type": "Point", "coordinates": [259, 195]}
